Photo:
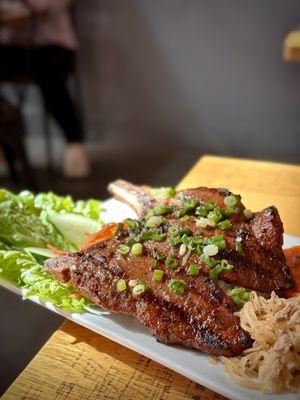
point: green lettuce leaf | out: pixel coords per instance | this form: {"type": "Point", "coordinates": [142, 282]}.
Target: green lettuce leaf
{"type": "Point", "coordinates": [22, 225]}
{"type": "Point", "coordinates": [51, 202]}
{"type": "Point", "coordinates": [24, 270]}
{"type": "Point", "coordinates": [28, 223]}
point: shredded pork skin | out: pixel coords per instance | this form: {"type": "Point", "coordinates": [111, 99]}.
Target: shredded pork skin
{"type": "Point", "coordinates": [272, 365]}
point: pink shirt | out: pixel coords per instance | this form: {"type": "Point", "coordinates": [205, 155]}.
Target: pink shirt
{"type": "Point", "coordinates": [52, 24]}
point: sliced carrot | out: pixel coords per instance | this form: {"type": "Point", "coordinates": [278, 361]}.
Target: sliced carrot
{"type": "Point", "coordinates": [106, 233]}
{"type": "Point", "coordinates": [55, 250]}
{"type": "Point", "coordinates": [76, 296]}
{"type": "Point", "coordinates": [292, 255]}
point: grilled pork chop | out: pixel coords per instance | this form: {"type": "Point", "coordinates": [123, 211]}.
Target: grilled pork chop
{"type": "Point", "coordinates": [253, 244]}
{"type": "Point", "coordinates": [202, 317]}
{"type": "Point", "coordinates": [162, 268]}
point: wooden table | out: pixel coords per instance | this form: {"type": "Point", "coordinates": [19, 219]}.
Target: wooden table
{"type": "Point", "coordinates": [76, 363]}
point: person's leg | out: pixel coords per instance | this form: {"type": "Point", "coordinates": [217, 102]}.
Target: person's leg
{"type": "Point", "coordinates": [51, 68]}
{"type": "Point", "coordinates": [14, 62]}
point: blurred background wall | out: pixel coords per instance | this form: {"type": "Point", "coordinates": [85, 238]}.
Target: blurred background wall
{"type": "Point", "coordinates": [205, 75]}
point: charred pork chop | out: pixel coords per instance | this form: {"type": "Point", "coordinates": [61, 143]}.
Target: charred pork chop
{"type": "Point", "coordinates": [162, 268]}
{"type": "Point", "coordinates": [194, 313]}
{"type": "Point", "coordinates": [253, 240]}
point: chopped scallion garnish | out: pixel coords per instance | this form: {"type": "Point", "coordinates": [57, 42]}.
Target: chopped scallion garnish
{"type": "Point", "coordinates": [160, 256]}
{"type": "Point", "coordinates": [171, 262]}
{"type": "Point", "coordinates": [230, 200]}
{"type": "Point", "coordinates": [157, 275]}
{"type": "Point", "coordinates": [239, 296]}
{"type": "Point", "coordinates": [205, 222]}
{"type": "Point", "coordinates": [248, 213]}
{"type": "Point", "coordinates": [123, 249]}
{"type": "Point", "coordinates": [193, 270]}
{"type": "Point", "coordinates": [154, 221]}
{"type": "Point", "coordinates": [161, 209]}
{"type": "Point", "coordinates": [132, 283]}
{"type": "Point", "coordinates": [153, 263]}
{"type": "Point", "coordinates": [215, 215]}
{"type": "Point", "coordinates": [137, 249]}
{"type": "Point", "coordinates": [185, 218]}
{"type": "Point", "coordinates": [139, 289]}
{"type": "Point", "coordinates": [162, 193]}
{"type": "Point", "coordinates": [158, 237]}
{"type": "Point", "coordinates": [226, 224]}
{"type": "Point", "coordinates": [121, 285]}
{"type": "Point", "coordinates": [210, 250]}
{"type": "Point", "coordinates": [177, 285]}
{"type": "Point", "coordinates": [223, 266]}
{"type": "Point", "coordinates": [182, 249]}
{"type": "Point", "coordinates": [238, 244]}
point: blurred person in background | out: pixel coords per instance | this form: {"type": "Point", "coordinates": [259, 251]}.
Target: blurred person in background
{"type": "Point", "coordinates": [37, 39]}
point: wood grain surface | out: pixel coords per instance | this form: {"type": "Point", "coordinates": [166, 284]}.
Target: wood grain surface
{"type": "Point", "coordinates": [76, 363]}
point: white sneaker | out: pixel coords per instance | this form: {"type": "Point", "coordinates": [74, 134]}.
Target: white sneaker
{"type": "Point", "coordinates": [76, 163]}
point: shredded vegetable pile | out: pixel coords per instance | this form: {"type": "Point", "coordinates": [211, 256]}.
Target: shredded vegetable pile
{"type": "Point", "coordinates": [272, 365]}
{"type": "Point", "coordinates": [29, 225]}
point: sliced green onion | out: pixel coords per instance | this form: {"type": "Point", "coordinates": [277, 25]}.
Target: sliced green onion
{"type": "Point", "coordinates": [210, 250]}
{"type": "Point", "coordinates": [145, 236]}
{"type": "Point", "coordinates": [173, 230]}
{"type": "Point", "coordinates": [214, 273]}
{"type": "Point", "coordinates": [209, 261]}
{"type": "Point", "coordinates": [191, 204]}
{"type": "Point", "coordinates": [171, 262]}
{"type": "Point", "coordinates": [239, 296]}
{"type": "Point", "coordinates": [157, 275]}
{"type": "Point", "coordinates": [248, 213]}
{"type": "Point", "coordinates": [132, 223]}
{"type": "Point", "coordinates": [139, 289]}
{"type": "Point", "coordinates": [223, 266]}
{"type": "Point", "coordinates": [209, 205]}
{"type": "Point", "coordinates": [205, 222]}
{"type": "Point", "coordinates": [221, 244]}
{"type": "Point", "coordinates": [182, 249]}
{"type": "Point", "coordinates": [154, 221]}
{"type": "Point", "coordinates": [215, 215]}
{"type": "Point", "coordinates": [201, 211]}
{"type": "Point", "coordinates": [174, 241]}
{"type": "Point", "coordinates": [217, 240]}
{"type": "Point", "coordinates": [177, 285]}
{"type": "Point", "coordinates": [226, 224]}
{"type": "Point", "coordinates": [137, 249]}
{"type": "Point", "coordinates": [230, 200]}
{"type": "Point", "coordinates": [160, 256]}
{"type": "Point", "coordinates": [158, 237]}
{"type": "Point", "coordinates": [123, 249]}
{"type": "Point", "coordinates": [239, 247]}
{"type": "Point", "coordinates": [121, 285]}
{"type": "Point", "coordinates": [199, 250]}
{"type": "Point", "coordinates": [162, 193]}
{"type": "Point", "coordinates": [162, 209]}
{"type": "Point", "coordinates": [193, 270]}
{"type": "Point", "coordinates": [185, 218]}
{"type": "Point", "coordinates": [132, 283]}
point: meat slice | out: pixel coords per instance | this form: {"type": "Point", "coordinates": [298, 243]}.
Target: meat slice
{"type": "Point", "coordinates": [260, 262]}
{"type": "Point", "coordinates": [202, 317]}
{"type": "Point", "coordinates": [191, 238]}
